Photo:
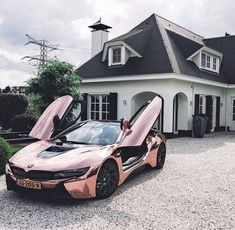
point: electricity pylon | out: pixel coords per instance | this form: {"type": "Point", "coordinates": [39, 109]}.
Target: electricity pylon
{"type": "Point", "coordinates": [45, 48]}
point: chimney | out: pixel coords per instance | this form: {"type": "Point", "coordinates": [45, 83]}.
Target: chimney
{"type": "Point", "coordinates": [99, 37]}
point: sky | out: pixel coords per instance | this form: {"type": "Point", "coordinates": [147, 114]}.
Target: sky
{"type": "Point", "coordinates": [65, 23]}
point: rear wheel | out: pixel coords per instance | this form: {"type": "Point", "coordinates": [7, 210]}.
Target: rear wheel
{"type": "Point", "coordinates": [107, 180]}
{"type": "Point", "coordinates": [161, 156]}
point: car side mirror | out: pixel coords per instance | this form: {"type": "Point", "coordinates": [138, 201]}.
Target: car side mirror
{"type": "Point", "coordinates": [56, 122]}
{"type": "Point", "coordinates": [63, 139]}
{"type": "Point", "coordinates": [124, 124]}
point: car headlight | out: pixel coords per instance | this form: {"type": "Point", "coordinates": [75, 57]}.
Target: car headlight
{"type": "Point", "coordinates": [7, 168]}
{"type": "Point", "coordinates": [71, 173]}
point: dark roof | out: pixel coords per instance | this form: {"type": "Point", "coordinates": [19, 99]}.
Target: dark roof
{"type": "Point", "coordinates": [147, 40]}
{"type": "Point", "coordinates": [226, 46]}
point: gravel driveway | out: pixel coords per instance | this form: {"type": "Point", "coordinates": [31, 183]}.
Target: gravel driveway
{"type": "Point", "coordinates": [195, 190]}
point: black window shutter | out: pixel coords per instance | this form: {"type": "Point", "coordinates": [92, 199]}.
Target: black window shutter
{"type": "Point", "coordinates": [209, 102]}
{"type": "Point", "coordinates": [217, 113]}
{"type": "Point", "coordinates": [84, 107]}
{"type": "Point", "coordinates": [112, 107]}
{"type": "Point", "coordinates": [196, 107]}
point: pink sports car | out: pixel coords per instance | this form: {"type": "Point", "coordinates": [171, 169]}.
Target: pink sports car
{"type": "Point", "coordinates": [88, 159]}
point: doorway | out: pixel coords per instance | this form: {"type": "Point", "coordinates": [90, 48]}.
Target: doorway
{"type": "Point", "coordinates": [180, 113]}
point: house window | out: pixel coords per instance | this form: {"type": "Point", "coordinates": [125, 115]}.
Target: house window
{"type": "Point", "coordinates": [117, 55]}
{"type": "Point", "coordinates": [98, 107]}
{"type": "Point", "coordinates": [203, 62]}
{"type": "Point", "coordinates": [214, 63]}
{"type": "Point", "coordinates": [208, 61]}
{"type": "Point", "coordinates": [202, 104]}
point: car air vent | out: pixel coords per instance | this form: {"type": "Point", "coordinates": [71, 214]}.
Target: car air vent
{"type": "Point", "coordinates": [33, 175]}
{"type": "Point", "coordinates": [18, 172]}
{"type": "Point", "coordinates": [40, 175]}
{"type": "Point", "coordinates": [53, 151]}
{"type": "Point", "coordinates": [54, 148]}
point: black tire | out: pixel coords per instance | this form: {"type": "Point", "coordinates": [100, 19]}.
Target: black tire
{"type": "Point", "coordinates": [161, 156]}
{"type": "Point", "coordinates": [107, 180]}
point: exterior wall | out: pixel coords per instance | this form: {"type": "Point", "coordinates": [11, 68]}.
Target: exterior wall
{"type": "Point", "coordinates": [184, 112]}
{"type": "Point", "coordinates": [167, 89]}
{"type": "Point", "coordinates": [196, 60]}
{"type": "Point", "coordinates": [126, 90]}
{"type": "Point", "coordinates": [214, 91]}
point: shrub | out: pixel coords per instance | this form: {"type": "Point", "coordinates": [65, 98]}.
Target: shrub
{"type": "Point", "coordinates": [11, 105]}
{"type": "Point", "coordinates": [4, 154]}
{"type": "Point", "coordinates": [23, 122]}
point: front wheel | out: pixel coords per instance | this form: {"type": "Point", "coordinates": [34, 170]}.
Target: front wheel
{"type": "Point", "coordinates": [161, 156]}
{"type": "Point", "coordinates": [107, 180]}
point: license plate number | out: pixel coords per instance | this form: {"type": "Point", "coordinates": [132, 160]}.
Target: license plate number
{"type": "Point", "coordinates": [29, 184]}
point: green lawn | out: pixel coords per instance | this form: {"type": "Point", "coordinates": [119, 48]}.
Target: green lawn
{"type": "Point", "coordinates": [15, 149]}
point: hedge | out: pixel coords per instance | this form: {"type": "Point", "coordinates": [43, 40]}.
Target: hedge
{"type": "Point", "coordinates": [10, 106]}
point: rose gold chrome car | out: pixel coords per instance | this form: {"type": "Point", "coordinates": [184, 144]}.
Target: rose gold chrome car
{"type": "Point", "coordinates": [88, 159]}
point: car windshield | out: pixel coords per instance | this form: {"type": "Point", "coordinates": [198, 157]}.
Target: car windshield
{"type": "Point", "coordinates": [94, 133]}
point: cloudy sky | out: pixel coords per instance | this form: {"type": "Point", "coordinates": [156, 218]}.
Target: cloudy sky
{"type": "Point", "coordinates": [65, 23]}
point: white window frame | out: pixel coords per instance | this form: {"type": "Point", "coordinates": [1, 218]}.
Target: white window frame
{"type": "Point", "coordinates": [110, 57]}
{"type": "Point", "coordinates": [214, 63]}
{"type": "Point", "coordinates": [100, 104]}
{"type": "Point", "coordinates": [208, 61]}
{"type": "Point", "coordinates": [202, 104]}
{"type": "Point", "coordinates": [213, 113]}
{"type": "Point", "coordinates": [119, 56]}
{"type": "Point", "coordinates": [203, 61]}
{"type": "Point", "coordinates": [211, 62]}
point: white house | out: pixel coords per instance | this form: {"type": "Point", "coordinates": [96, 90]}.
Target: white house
{"type": "Point", "coordinates": [192, 74]}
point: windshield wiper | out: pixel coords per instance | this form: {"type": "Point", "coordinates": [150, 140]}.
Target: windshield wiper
{"type": "Point", "coordinates": [78, 142]}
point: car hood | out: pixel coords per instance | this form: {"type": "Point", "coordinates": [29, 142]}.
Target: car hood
{"type": "Point", "coordinates": [45, 155]}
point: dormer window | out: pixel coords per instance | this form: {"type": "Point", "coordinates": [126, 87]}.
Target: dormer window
{"type": "Point", "coordinates": [203, 60]}
{"type": "Point", "coordinates": [207, 59]}
{"type": "Point", "coordinates": [117, 55]}
{"type": "Point", "coordinates": [210, 62]}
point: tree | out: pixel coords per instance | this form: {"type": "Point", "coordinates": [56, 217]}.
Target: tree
{"type": "Point", "coordinates": [7, 89]}
{"type": "Point", "coordinates": [56, 79]}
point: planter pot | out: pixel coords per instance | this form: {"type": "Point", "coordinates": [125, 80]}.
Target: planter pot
{"type": "Point", "coordinates": [199, 126]}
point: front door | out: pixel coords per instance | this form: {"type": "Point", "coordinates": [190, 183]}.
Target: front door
{"type": "Point", "coordinates": [232, 126]}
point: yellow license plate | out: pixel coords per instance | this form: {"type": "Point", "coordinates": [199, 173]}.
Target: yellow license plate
{"type": "Point", "coordinates": [29, 184]}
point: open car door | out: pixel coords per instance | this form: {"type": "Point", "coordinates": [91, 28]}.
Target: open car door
{"type": "Point", "coordinates": [141, 123]}
{"type": "Point", "coordinates": [44, 128]}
